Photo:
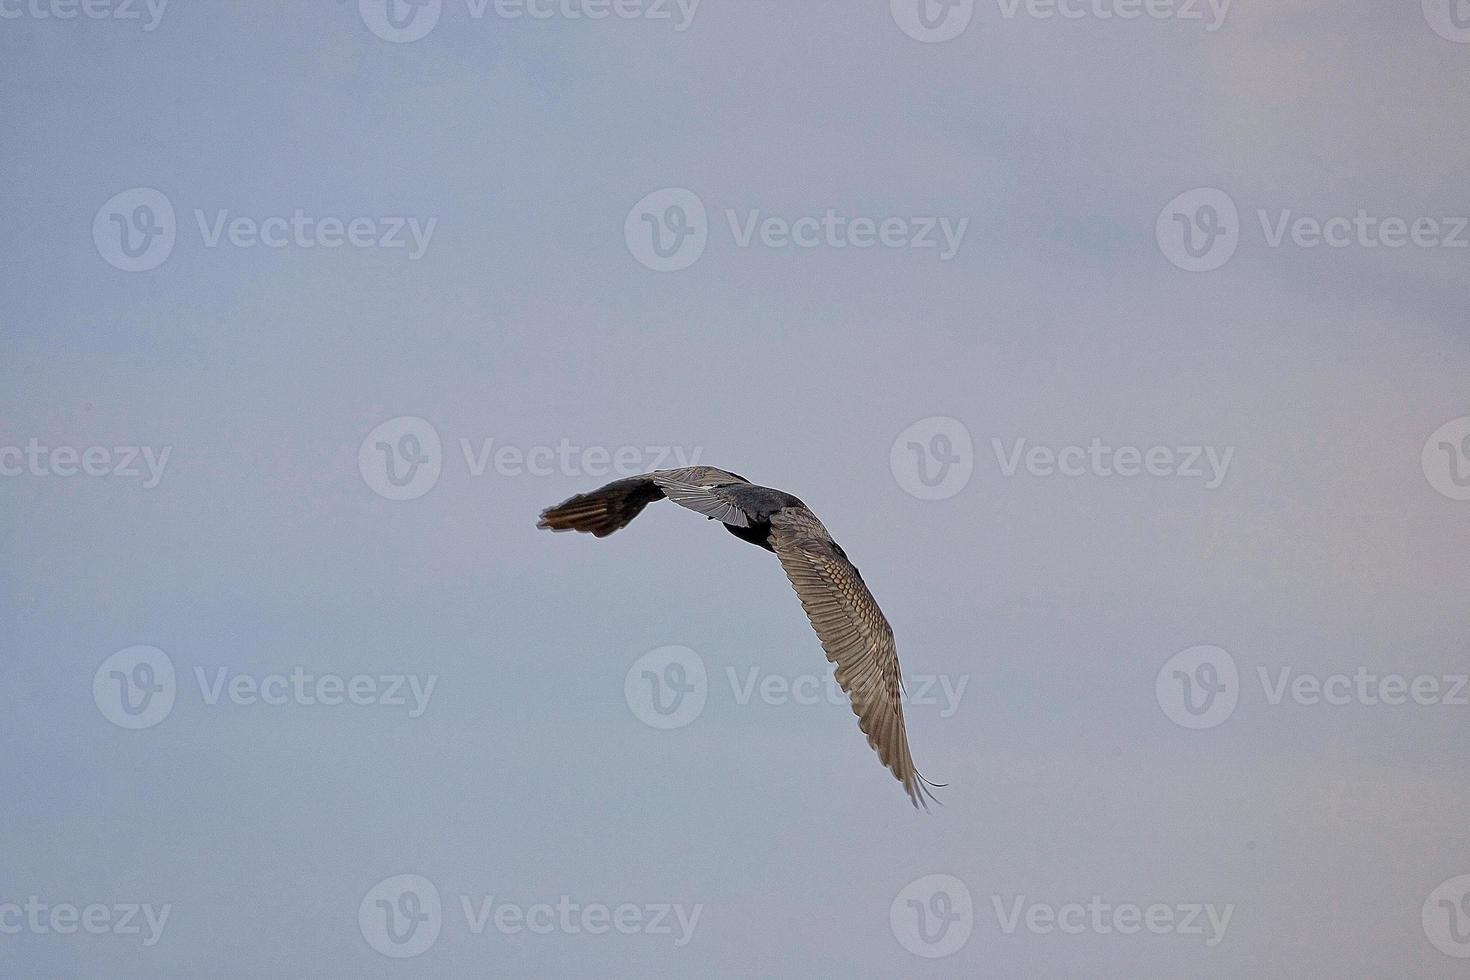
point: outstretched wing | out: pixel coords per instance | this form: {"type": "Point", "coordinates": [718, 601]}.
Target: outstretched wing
{"type": "Point", "coordinates": [855, 635]}
{"type": "Point", "coordinates": [705, 490]}
{"type": "Point", "coordinates": [602, 511]}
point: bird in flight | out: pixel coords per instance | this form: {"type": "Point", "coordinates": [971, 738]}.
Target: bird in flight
{"type": "Point", "coordinates": [842, 611]}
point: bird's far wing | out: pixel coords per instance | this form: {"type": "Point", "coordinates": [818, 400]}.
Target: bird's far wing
{"type": "Point", "coordinates": [602, 511]}
{"type": "Point", "coordinates": [705, 490]}
{"type": "Point", "coordinates": [855, 635]}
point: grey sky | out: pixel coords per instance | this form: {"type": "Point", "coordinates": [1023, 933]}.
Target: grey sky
{"type": "Point", "coordinates": [1335, 542]}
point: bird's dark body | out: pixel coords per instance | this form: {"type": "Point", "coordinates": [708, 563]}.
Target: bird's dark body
{"type": "Point", "coordinates": [759, 504]}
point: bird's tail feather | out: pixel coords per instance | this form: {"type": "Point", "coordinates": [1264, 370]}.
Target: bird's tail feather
{"type": "Point", "coordinates": [604, 510]}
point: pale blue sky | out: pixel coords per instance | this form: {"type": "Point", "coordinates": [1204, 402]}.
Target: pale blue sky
{"type": "Point", "coordinates": [529, 320]}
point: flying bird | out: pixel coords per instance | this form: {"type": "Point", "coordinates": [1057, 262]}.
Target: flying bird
{"type": "Point", "coordinates": [847, 620]}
